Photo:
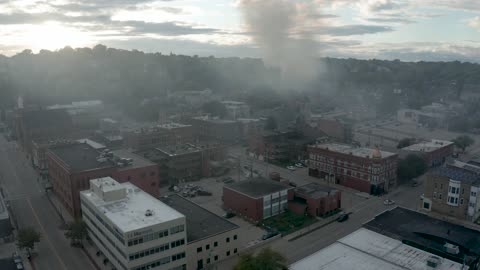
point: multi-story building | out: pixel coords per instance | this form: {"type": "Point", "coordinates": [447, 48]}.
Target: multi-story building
{"type": "Point", "coordinates": [158, 135]}
{"type": "Point", "coordinates": [71, 166]}
{"type": "Point", "coordinates": [186, 162]}
{"type": "Point", "coordinates": [134, 230]}
{"type": "Point", "coordinates": [214, 129]}
{"type": "Point", "coordinates": [367, 170]}
{"type": "Point", "coordinates": [434, 152]}
{"type": "Point", "coordinates": [453, 190]}
{"type": "Point", "coordinates": [316, 200]}
{"type": "Point", "coordinates": [278, 145]}
{"type": "Point", "coordinates": [210, 238]}
{"type": "Point", "coordinates": [236, 109]}
{"type": "Point", "coordinates": [257, 198]}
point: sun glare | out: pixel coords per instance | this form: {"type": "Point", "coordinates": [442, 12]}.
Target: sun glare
{"type": "Point", "coordinates": [52, 36]}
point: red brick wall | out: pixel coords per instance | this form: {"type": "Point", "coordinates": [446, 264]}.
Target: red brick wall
{"type": "Point", "coordinates": [146, 178]}
{"type": "Point", "coordinates": [332, 128]}
{"type": "Point", "coordinates": [243, 205]}
{"type": "Point", "coordinates": [357, 184]}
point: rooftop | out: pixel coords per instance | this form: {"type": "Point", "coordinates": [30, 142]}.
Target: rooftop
{"type": "Point", "coordinates": [368, 250]}
{"type": "Point", "coordinates": [315, 190]}
{"type": "Point", "coordinates": [257, 187]}
{"type": "Point", "coordinates": [95, 145]}
{"type": "Point", "coordinates": [428, 146]}
{"type": "Point", "coordinates": [456, 173]}
{"type": "Point", "coordinates": [179, 149]}
{"type": "Point", "coordinates": [404, 224]}
{"type": "Point", "coordinates": [173, 125]}
{"type": "Point", "coordinates": [137, 161]}
{"type": "Point", "coordinates": [201, 223]}
{"type": "Point", "coordinates": [353, 150]}
{"type": "Point", "coordinates": [215, 120]}
{"type": "Point", "coordinates": [128, 213]}
{"type": "Point", "coordinates": [80, 157]}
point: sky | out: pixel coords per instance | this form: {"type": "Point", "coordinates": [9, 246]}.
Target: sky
{"type": "Point", "coordinates": [430, 30]}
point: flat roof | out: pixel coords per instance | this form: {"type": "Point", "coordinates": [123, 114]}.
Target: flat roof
{"type": "Point", "coordinates": [457, 173]}
{"type": "Point", "coordinates": [173, 125]}
{"type": "Point", "coordinates": [80, 157]}
{"type": "Point", "coordinates": [428, 146]}
{"type": "Point", "coordinates": [179, 149]}
{"type": "Point", "coordinates": [201, 223]}
{"type": "Point", "coordinates": [257, 187]}
{"type": "Point", "coordinates": [92, 143]}
{"type": "Point", "coordinates": [404, 224]}
{"type": "Point", "coordinates": [368, 250]}
{"type": "Point", "coordinates": [128, 214]}
{"type": "Point", "coordinates": [315, 190]}
{"type": "Point", "coordinates": [213, 120]}
{"type": "Point", "coordinates": [353, 150]}
{"type": "Point", "coordinates": [137, 161]}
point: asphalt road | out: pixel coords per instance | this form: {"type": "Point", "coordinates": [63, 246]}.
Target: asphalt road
{"type": "Point", "coordinates": [31, 208]}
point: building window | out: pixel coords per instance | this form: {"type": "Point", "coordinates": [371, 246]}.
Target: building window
{"type": "Point", "coordinates": [426, 205]}
{"type": "Point", "coordinates": [129, 178]}
{"type": "Point", "coordinates": [463, 191]}
{"type": "Point", "coordinates": [473, 194]}
{"type": "Point", "coordinates": [228, 239]}
{"type": "Point", "coordinates": [216, 258]}
{"type": "Point", "coordinates": [208, 260]}
{"type": "Point", "coordinates": [207, 247]}
{"type": "Point", "coordinates": [215, 244]}
{"type": "Point", "coordinates": [228, 253]}
{"type": "Point", "coordinates": [178, 256]}
{"type": "Point", "coordinates": [435, 185]}
{"type": "Point", "coordinates": [461, 201]}
{"type": "Point", "coordinates": [235, 250]}
{"type": "Point", "coordinates": [199, 249]}
{"type": "Point", "coordinates": [441, 186]}
{"type": "Point", "coordinates": [440, 196]}
{"type": "Point", "coordinates": [235, 237]}
{"type": "Point", "coordinates": [434, 195]}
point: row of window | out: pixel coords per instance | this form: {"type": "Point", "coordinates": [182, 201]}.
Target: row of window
{"type": "Point", "coordinates": [86, 215]}
{"type": "Point", "coordinates": [155, 235]}
{"type": "Point", "coordinates": [455, 190]}
{"type": "Point", "coordinates": [94, 236]}
{"type": "Point", "coordinates": [154, 264]}
{"type": "Point", "coordinates": [156, 250]}
{"type": "Point", "coordinates": [215, 244]}
{"type": "Point", "coordinates": [215, 258]}
{"type": "Point", "coordinates": [178, 256]}
{"type": "Point", "coordinates": [105, 224]}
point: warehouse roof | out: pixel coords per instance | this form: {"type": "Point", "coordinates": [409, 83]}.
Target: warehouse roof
{"type": "Point", "coordinates": [257, 187]}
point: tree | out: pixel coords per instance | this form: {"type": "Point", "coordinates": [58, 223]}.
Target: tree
{"type": "Point", "coordinates": [267, 259]}
{"type": "Point", "coordinates": [76, 231]}
{"type": "Point", "coordinates": [215, 108]}
{"type": "Point", "coordinates": [27, 238]}
{"type": "Point", "coordinates": [410, 167]}
{"type": "Point", "coordinates": [463, 141]}
{"type": "Point", "coordinates": [405, 142]}
{"type": "Point", "coordinates": [271, 123]}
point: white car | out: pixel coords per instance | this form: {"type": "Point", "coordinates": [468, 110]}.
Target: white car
{"type": "Point", "coordinates": [299, 165]}
{"type": "Point", "coordinates": [388, 202]}
{"type": "Point", "coordinates": [291, 168]}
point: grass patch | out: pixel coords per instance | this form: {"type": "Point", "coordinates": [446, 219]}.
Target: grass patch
{"type": "Point", "coordinates": [288, 222]}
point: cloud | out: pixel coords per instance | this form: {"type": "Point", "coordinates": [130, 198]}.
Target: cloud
{"type": "Point", "coordinates": [353, 30]}
{"type": "Point", "coordinates": [466, 5]}
{"type": "Point", "coordinates": [390, 20]}
{"type": "Point", "coordinates": [165, 29]}
{"type": "Point", "coordinates": [474, 22]}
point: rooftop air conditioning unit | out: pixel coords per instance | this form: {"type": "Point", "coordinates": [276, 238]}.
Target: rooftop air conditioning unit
{"type": "Point", "coordinates": [433, 261]}
{"type": "Point", "coordinates": [452, 249]}
{"type": "Point", "coordinates": [148, 213]}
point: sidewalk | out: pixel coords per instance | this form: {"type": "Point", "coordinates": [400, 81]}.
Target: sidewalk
{"type": "Point", "coordinates": [59, 208]}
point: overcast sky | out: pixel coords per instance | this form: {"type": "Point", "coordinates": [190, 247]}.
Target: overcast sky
{"type": "Point", "coordinates": [384, 29]}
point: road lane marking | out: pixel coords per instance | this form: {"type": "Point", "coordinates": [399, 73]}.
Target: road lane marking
{"type": "Point", "coordinates": [46, 235]}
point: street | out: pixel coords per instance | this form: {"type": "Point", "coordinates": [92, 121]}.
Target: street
{"type": "Point", "coordinates": [31, 208]}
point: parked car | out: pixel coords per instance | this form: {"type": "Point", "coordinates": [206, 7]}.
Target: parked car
{"type": "Point", "coordinates": [342, 217]}
{"type": "Point", "coordinates": [269, 235]}
{"type": "Point", "coordinates": [291, 168]}
{"type": "Point", "coordinates": [299, 165]}
{"type": "Point", "coordinates": [229, 215]}
{"type": "Point", "coordinates": [388, 202]}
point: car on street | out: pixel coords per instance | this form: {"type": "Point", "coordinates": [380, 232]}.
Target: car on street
{"type": "Point", "coordinates": [299, 165]}
{"type": "Point", "coordinates": [342, 217]}
{"type": "Point", "coordinates": [388, 202]}
{"type": "Point", "coordinates": [269, 235]}
{"type": "Point", "coordinates": [291, 168]}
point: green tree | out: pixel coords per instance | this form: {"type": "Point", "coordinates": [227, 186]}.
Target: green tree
{"type": "Point", "coordinates": [271, 123]}
{"type": "Point", "coordinates": [411, 167]}
{"type": "Point", "coordinates": [267, 259]}
{"type": "Point", "coordinates": [215, 108]}
{"type": "Point", "coordinates": [76, 231]}
{"type": "Point", "coordinates": [463, 141]}
{"type": "Point", "coordinates": [27, 238]}
{"type": "Point", "coordinates": [405, 142]}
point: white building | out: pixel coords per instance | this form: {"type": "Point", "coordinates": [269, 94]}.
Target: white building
{"type": "Point", "coordinates": [134, 230]}
{"type": "Point", "coordinates": [367, 250]}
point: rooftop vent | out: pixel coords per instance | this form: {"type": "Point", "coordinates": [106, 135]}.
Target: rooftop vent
{"type": "Point", "coordinates": [433, 261]}
{"type": "Point", "coordinates": [148, 213]}
{"type": "Point", "coordinates": [452, 249]}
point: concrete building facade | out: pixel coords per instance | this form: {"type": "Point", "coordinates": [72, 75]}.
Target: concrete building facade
{"type": "Point", "coordinates": [257, 199]}
{"type": "Point", "coordinates": [214, 129]}
{"type": "Point", "coordinates": [134, 230]}
{"type": "Point", "coordinates": [367, 170]}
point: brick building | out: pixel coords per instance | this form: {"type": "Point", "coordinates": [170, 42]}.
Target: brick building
{"type": "Point", "coordinates": [453, 190]}
{"type": "Point", "coordinates": [186, 162]}
{"type": "Point", "coordinates": [278, 145]}
{"type": "Point", "coordinates": [41, 124]}
{"type": "Point", "coordinates": [158, 135]}
{"type": "Point", "coordinates": [71, 166]}
{"type": "Point", "coordinates": [338, 129]}
{"type": "Point", "coordinates": [214, 129]}
{"type": "Point", "coordinates": [257, 198]}
{"type": "Point", "coordinates": [367, 170]}
{"type": "Point", "coordinates": [434, 152]}
{"type": "Point", "coordinates": [316, 200]}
